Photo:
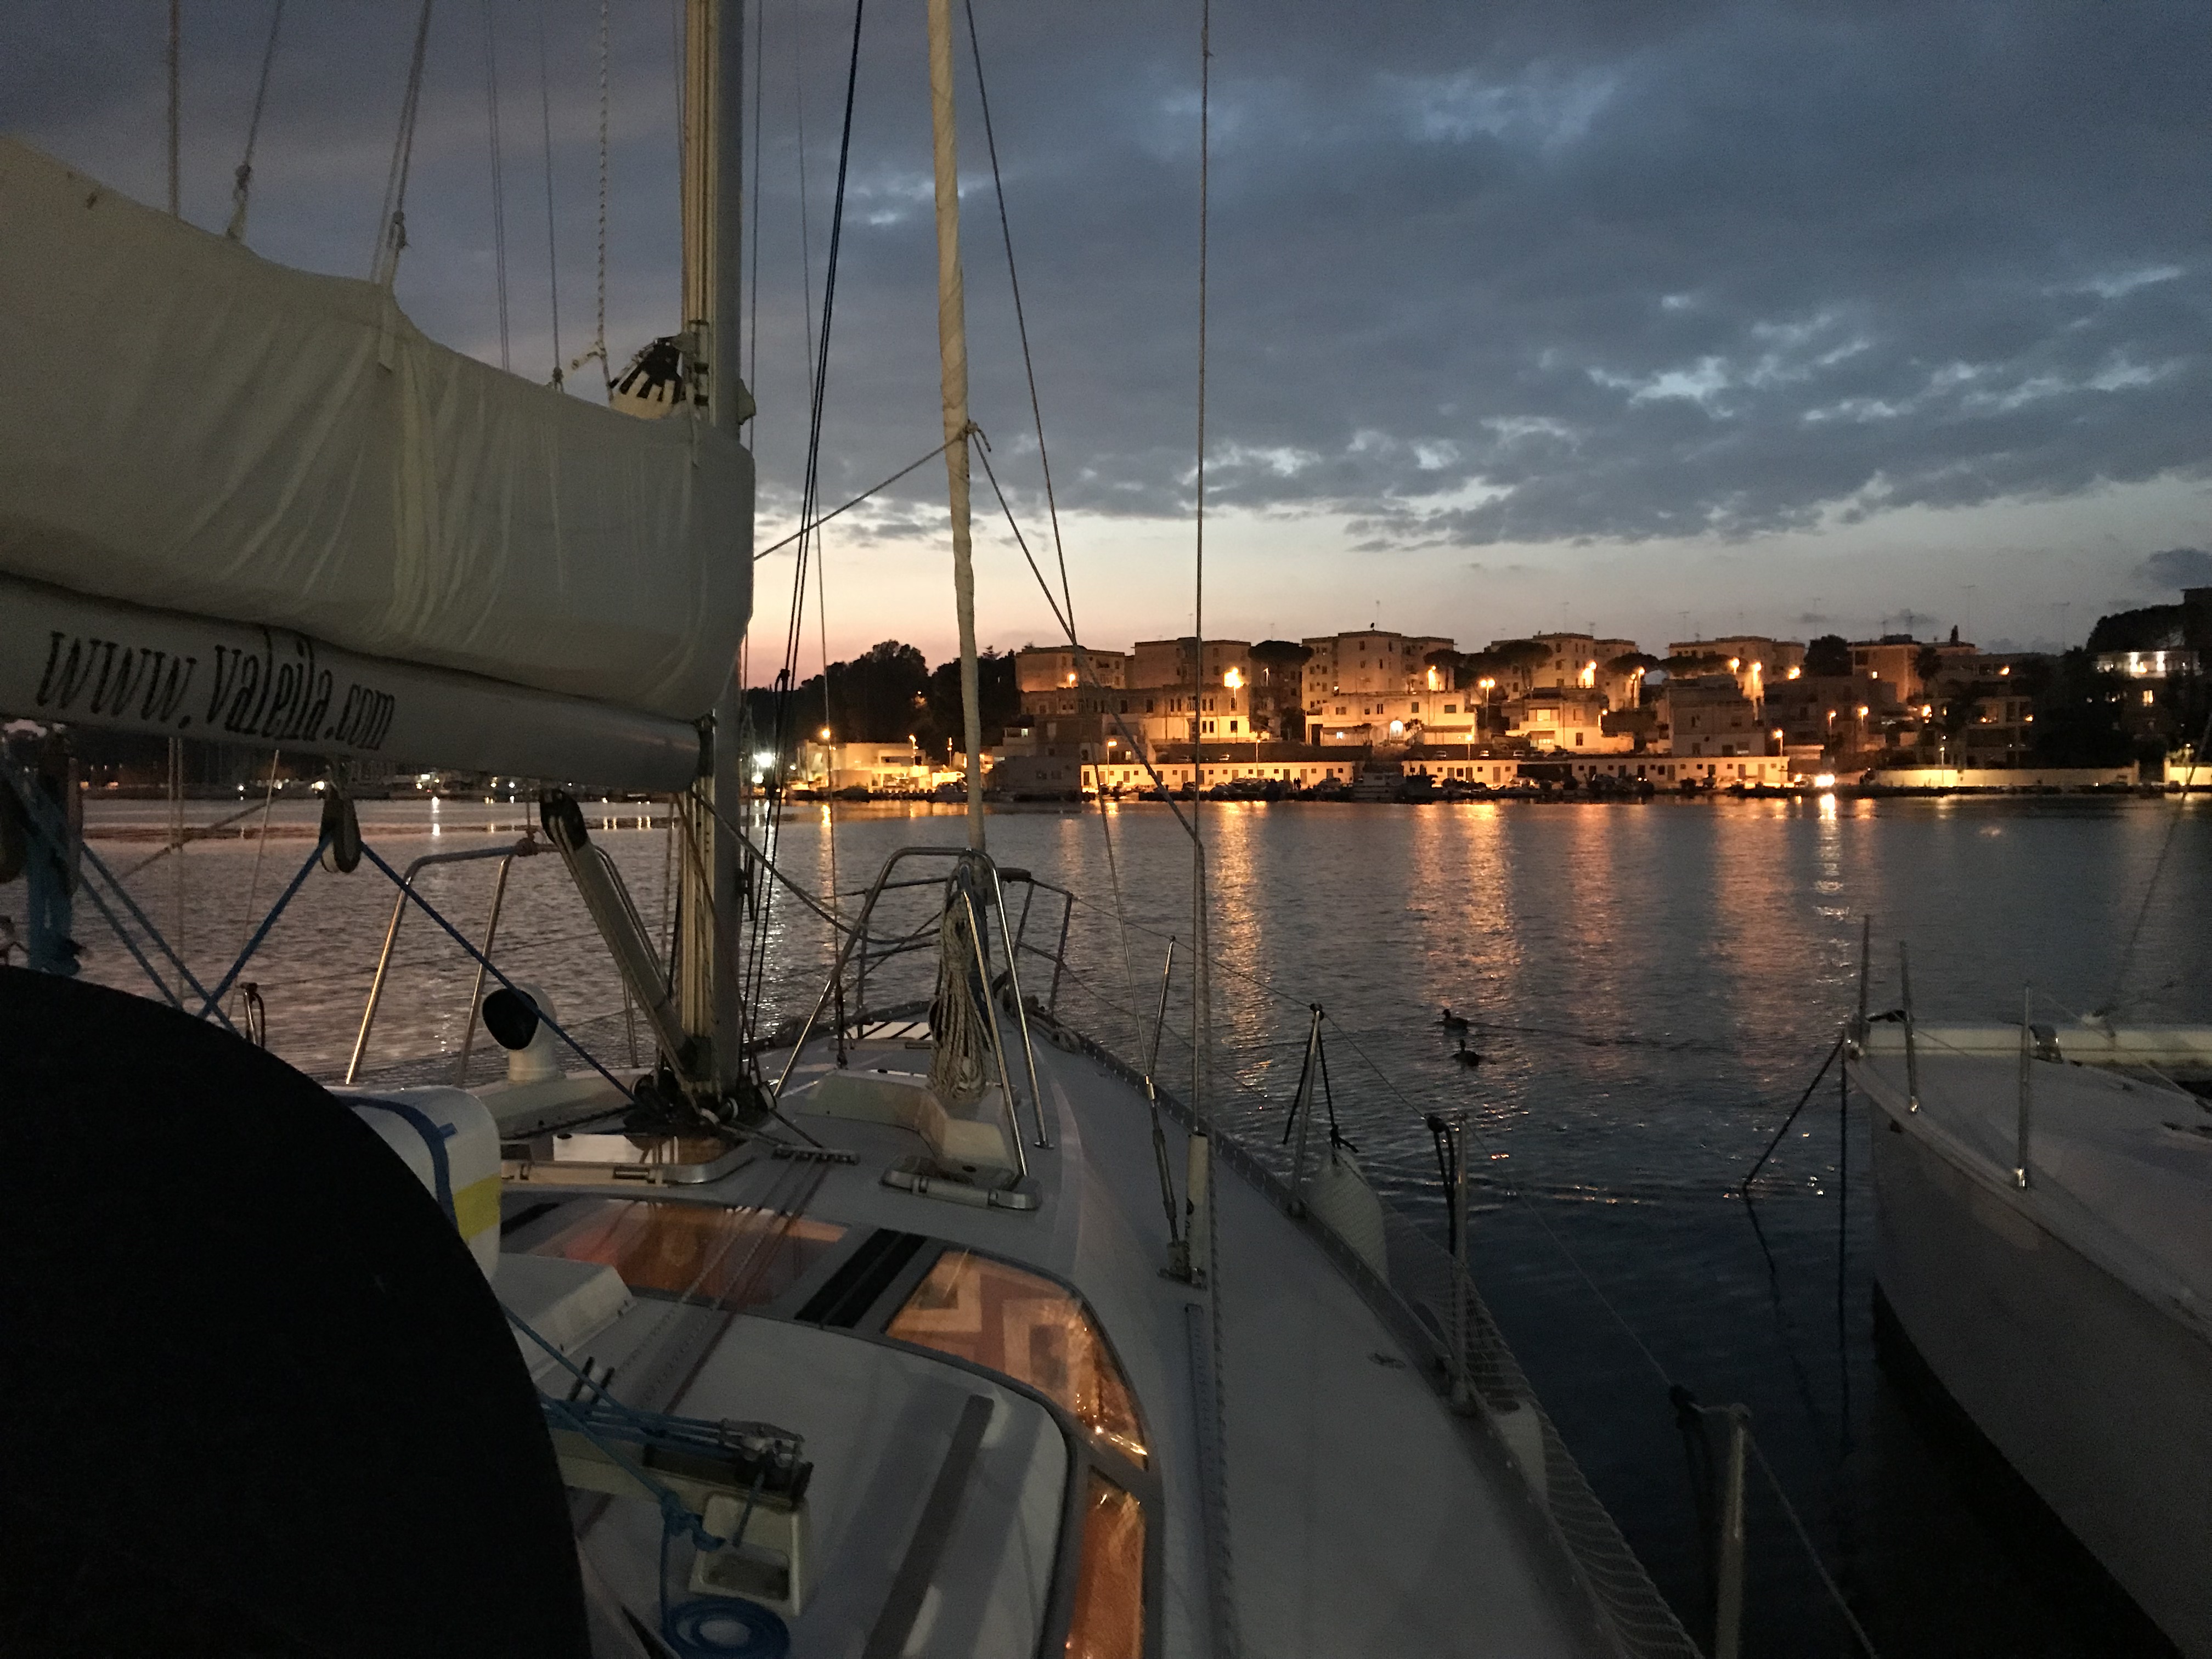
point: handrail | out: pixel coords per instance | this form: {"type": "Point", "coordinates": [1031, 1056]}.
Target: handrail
{"type": "Point", "coordinates": [522, 848]}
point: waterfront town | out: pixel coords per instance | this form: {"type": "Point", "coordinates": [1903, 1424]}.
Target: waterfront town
{"type": "Point", "coordinates": [1381, 714]}
{"type": "Point", "coordinates": [1375, 714]}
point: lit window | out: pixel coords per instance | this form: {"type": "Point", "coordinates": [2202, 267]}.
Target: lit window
{"type": "Point", "coordinates": [1025, 1327]}
{"type": "Point", "coordinates": [721, 1258]}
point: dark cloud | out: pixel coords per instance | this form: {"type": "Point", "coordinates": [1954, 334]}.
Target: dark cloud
{"type": "Point", "coordinates": [2177, 567]}
{"type": "Point", "coordinates": [1517, 273]}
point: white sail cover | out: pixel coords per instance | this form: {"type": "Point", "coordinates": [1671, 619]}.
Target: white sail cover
{"type": "Point", "coordinates": [186, 425]}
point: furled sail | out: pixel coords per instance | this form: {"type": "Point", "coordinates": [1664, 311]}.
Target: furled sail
{"type": "Point", "coordinates": [184, 425]}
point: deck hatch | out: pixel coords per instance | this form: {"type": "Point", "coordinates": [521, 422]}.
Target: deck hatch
{"type": "Point", "coordinates": [730, 1259]}
{"type": "Point", "coordinates": [1024, 1325]}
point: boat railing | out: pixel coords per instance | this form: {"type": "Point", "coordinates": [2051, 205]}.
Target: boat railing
{"type": "Point", "coordinates": [864, 953]}
{"type": "Point", "coordinates": [1422, 1291]}
{"type": "Point", "coordinates": [506, 855]}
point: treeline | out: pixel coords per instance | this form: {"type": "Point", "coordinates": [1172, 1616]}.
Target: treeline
{"type": "Point", "coordinates": [889, 693]}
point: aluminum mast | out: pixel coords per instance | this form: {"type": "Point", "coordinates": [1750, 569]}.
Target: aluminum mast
{"type": "Point", "coordinates": [713, 177]}
{"type": "Point", "coordinates": [952, 350]}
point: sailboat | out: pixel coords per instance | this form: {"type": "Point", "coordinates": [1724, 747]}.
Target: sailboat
{"type": "Point", "coordinates": [930, 1327]}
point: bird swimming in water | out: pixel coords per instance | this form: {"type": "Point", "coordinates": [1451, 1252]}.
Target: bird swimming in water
{"type": "Point", "coordinates": [1467, 1056]}
{"type": "Point", "coordinates": [1452, 1022]}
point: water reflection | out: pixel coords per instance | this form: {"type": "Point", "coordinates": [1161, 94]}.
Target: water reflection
{"type": "Point", "coordinates": [1652, 984]}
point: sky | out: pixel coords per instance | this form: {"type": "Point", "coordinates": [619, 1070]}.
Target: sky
{"type": "Point", "coordinates": [1662, 321]}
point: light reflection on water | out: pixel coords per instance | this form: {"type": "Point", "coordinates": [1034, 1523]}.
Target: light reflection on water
{"type": "Point", "coordinates": [1651, 984]}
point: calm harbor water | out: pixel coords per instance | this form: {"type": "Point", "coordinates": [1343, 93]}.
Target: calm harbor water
{"type": "Point", "coordinates": [1652, 986]}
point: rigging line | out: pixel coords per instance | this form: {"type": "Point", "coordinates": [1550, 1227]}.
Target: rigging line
{"type": "Point", "coordinates": [1513, 1190]}
{"type": "Point", "coordinates": [176, 112]}
{"type": "Point", "coordinates": [2150, 888]}
{"type": "Point", "coordinates": [983, 453]}
{"type": "Point", "coordinates": [242, 181]}
{"type": "Point", "coordinates": [811, 495]}
{"type": "Point", "coordinates": [752, 250]}
{"type": "Point", "coordinates": [808, 530]}
{"type": "Point", "coordinates": [552, 246]}
{"type": "Point", "coordinates": [599, 335]}
{"type": "Point", "coordinates": [1866, 1641]}
{"type": "Point", "coordinates": [261, 844]}
{"type": "Point", "coordinates": [498, 183]}
{"type": "Point", "coordinates": [1021, 321]}
{"type": "Point", "coordinates": [392, 220]}
{"type": "Point", "coordinates": [1200, 989]}
{"type": "Point", "coordinates": [1044, 461]}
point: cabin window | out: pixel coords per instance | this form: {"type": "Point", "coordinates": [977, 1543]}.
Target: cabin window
{"type": "Point", "coordinates": [729, 1259]}
{"type": "Point", "coordinates": [1030, 1328]}
{"type": "Point", "coordinates": [1109, 1584]}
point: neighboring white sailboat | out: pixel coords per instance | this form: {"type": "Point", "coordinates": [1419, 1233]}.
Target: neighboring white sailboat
{"type": "Point", "coordinates": [902, 1354]}
{"type": "Point", "coordinates": [2045, 1243]}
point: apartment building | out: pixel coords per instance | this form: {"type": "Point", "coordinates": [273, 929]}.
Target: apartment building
{"type": "Point", "coordinates": [1757, 660]}
{"type": "Point", "coordinates": [1049, 668]}
{"type": "Point", "coordinates": [1370, 662]}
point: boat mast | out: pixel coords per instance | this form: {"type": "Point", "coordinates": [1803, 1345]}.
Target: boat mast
{"type": "Point", "coordinates": [952, 352]}
{"type": "Point", "coordinates": [712, 182]}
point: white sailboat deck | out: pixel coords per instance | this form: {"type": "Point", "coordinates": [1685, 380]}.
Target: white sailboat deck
{"type": "Point", "coordinates": [1364, 1516]}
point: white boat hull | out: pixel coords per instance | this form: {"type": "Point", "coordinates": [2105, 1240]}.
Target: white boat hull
{"type": "Point", "coordinates": [2100, 1400]}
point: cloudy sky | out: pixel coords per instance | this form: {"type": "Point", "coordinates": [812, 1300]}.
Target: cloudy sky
{"type": "Point", "coordinates": [1666, 318]}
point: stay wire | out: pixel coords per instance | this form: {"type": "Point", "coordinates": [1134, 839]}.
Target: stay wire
{"type": "Point", "coordinates": [752, 251]}
{"type": "Point", "coordinates": [2150, 888]}
{"type": "Point", "coordinates": [391, 219]}
{"type": "Point", "coordinates": [1021, 321]}
{"type": "Point", "coordinates": [810, 492]}
{"type": "Point", "coordinates": [600, 334]}
{"type": "Point", "coordinates": [498, 182]}
{"type": "Point", "coordinates": [808, 528]}
{"type": "Point", "coordinates": [552, 242]}
{"type": "Point", "coordinates": [983, 453]}
{"type": "Point", "coordinates": [242, 181]}
{"type": "Point", "coordinates": [1044, 462]}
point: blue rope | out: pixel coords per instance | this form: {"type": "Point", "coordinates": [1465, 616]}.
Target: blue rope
{"type": "Point", "coordinates": [153, 934]}
{"type": "Point", "coordinates": [262, 932]}
{"type": "Point", "coordinates": [674, 1517]}
{"type": "Point", "coordinates": [50, 839]}
{"type": "Point", "coordinates": [489, 967]}
{"type": "Point", "coordinates": [434, 1136]}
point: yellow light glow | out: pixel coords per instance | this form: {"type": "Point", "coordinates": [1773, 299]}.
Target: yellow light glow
{"type": "Point", "coordinates": [825, 734]}
{"type": "Point", "coordinates": [1793, 674]}
{"type": "Point", "coordinates": [1824, 781]}
{"type": "Point", "coordinates": [1735, 663]}
{"type": "Point", "coordinates": [1233, 679]}
{"type": "Point", "coordinates": [1862, 711]}
{"type": "Point", "coordinates": [1071, 676]}
{"type": "Point", "coordinates": [1927, 711]}
{"type": "Point", "coordinates": [2007, 669]}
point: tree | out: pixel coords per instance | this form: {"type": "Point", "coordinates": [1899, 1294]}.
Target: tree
{"type": "Point", "coordinates": [2079, 717]}
{"type": "Point", "coordinates": [1829, 656]}
{"type": "Point", "coordinates": [1001, 702]}
{"type": "Point", "coordinates": [1928, 662]}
